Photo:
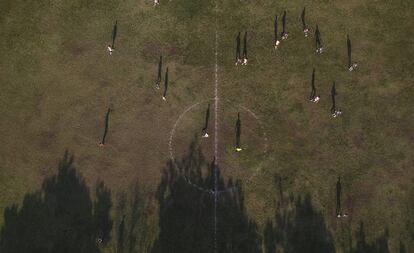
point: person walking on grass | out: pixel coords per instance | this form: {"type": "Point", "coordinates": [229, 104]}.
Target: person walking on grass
{"type": "Point", "coordinates": [102, 143]}
{"type": "Point", "coordinates": [238, 58]}
{"type": "Point", "coordinates": [238, 133]}
{"type": "Point", "coordinates": [110, 49]}
{"type": "Point", "coordinates": [318, 43]}
{"type": "Point", "coordinates": [313, 97]}
{"type": "Point", "coordinates": [284, 32]}
{"type": "Point", "coordinates": [277, 42]}
{"type": "Point", "coordinates": [164, 96]}
{"type": "Point", "coordinates": [351, 66]}
{"type": "Point", "coordinates": [157, 84]}
{"type": "Point", "coordinates": [304, 26]}
{"type": "Point", "coordinates": [204, 131]}
{"type": "Point", "coordinates": [156, 2]}
{"type": "Point", "coordinates": [334, 112]}
{"type": "Point", "coordinates": [245, 49]}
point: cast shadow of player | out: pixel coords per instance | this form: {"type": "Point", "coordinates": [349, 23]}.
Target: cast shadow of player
{"type": "Point", "coordinates": [114, 33]}
{"type": "Point", "coordinates": [60, 217]}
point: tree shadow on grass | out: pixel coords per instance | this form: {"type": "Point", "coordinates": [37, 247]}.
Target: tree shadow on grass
{"type": "Point", "coordinates": [60, 217]}
{"type": "Point", "coordinates": [298, 227]}
{"type": "Point", "coordinates": [379, 245]}
{"type": "Point", "coordinates": [197, 220]}
{"type": "Point", "coordinates": [133, 232]}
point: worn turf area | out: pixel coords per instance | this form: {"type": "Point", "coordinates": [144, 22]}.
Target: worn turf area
{"type": "Point", "coordinates": [57, 81]}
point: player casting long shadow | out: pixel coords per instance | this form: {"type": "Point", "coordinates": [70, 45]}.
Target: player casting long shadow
{"type": "Point", "coordinates": [338, 197]}
{"type": "Point", "coordinates": [157, 84]}
{"type": "Point", "coordinates": [351, 65]}
{"type": "Point", "coordinates": [333, 95]}
{"type": "Point", "coordinates": [205, 133]}
{"type": "Point", "coordinates": [164, 96]}
{"type": "Point", "coordinates": [238, 133]}
{"type": "Point", "coordinates": [349, 46]}
{"type": "Point", "coordinates": [245, 49]}
{"type": "Point", "coordinates": [284, 33]}
{"type": "Point", "coordinates": [304, 26]}
{"type": "Point", "coordinates": [318, 43]}
{"type": "Point", "coordinates": [313, 97]}
{"type": "Point", "coordinates": [114, 32]}
{"type": "Point", "coordinates": [102, 143]}
{"type": "Point", "coordinates": [238, 58]}
{"type": "Point", "coordinates": [335, 113]}
{"type": "Point", "coordinates": [277, 42]}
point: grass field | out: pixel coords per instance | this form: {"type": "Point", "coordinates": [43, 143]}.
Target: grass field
{"type": "Point", "coordinates": [57, 82]}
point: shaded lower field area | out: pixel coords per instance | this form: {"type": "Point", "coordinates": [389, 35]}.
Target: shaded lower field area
{"type": "Point", "coordinates": [304, 180]}
{"type": "Point", "coordinates": [64, 215]}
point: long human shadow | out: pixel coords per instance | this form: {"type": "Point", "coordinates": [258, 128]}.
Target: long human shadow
{"type": "Point", "coordinates": [349, 47]}
{"type": "Point", "coordinates": [275, 30]}
{"type": "Point", "coordinates": [159, 73]}
{"type": "Point", "coordinates": [60, 217]}
{"type": "Point", "coordinates": [238, 47]}
{"type": "Point", "coordinates": [333, 98]}
{"type": "Point", "coordinates": [194, 218]}
{"type": "Point", "coordinates": [313, 88]}
{"type": "Point", "coordinates": [302, 17]}
{"type": "Point", "coordinates": [298, 227]}
{"type": "Point", "coordinates": [283, 24]}
{"type": "Point", "coordinates": [245, 46]}
{"type": "Point", "coordinates": [318, 43]}
{"type": "Point", "coordinates": [338, 196]}
{"type": "Point", "coordinates": [165, 84]}
{"type": "Point", "coordinates": [102, 143]}
{"type": "Point", "coordinates": [114, 33]}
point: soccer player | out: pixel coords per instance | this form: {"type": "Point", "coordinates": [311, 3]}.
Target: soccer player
{"type": "Point", "coordinates": [110, 49]}
{"type": "Point", "coordinates": [164, 96]}
{"type": "Point", "coordinates": [334, 112]}
{"type": "Point", "coordinates": [318, 40]}
{"type": "Point", "coordinates": [305, 28]}
{"type": "Point", "coordinates": [238, 133]}
{"type": "Point", "coordinates": [205, 134]}
{"type": "Point", "coordinates": [313, 97]}
{"type": "Point", "coordinates": [245, 49]}
{"type": "Point", "coordinates": [277, 42]}
{"type": "Point", "coordinates": [102, 143]}
{"type": "Point", "coordinates": [157, 84]}
{"type": "Point", "coordinates": [351, 66]}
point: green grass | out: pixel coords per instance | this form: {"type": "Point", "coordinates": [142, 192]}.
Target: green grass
{"type": "Point", "coordinates": [57, 82]}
